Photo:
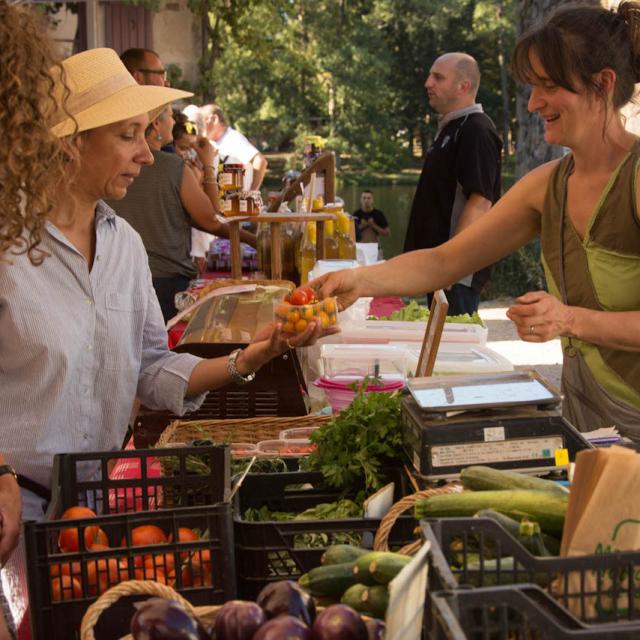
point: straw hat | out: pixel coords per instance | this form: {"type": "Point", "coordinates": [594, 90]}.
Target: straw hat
{"type": "Point", "coordinates": [102, 91]}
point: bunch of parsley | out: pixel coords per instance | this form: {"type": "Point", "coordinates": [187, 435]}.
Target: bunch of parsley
{"type": "Point", "coordinates": [359, 441]}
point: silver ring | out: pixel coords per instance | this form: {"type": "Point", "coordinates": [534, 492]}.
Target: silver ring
{"type": "Point", "coordinates": [532, 330]}
{"type": "Point", "coordinates": [289, 344]}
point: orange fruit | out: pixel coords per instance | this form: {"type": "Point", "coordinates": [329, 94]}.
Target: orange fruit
{"type": "Point", "coordinates": [68, 538]}
{"type": "Point", "coordinates": [145, 534]}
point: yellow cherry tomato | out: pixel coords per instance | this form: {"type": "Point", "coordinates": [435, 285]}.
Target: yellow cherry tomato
{"type": "Point", "coordinates": [293, 316]}
{"type": "Point", "coordinates": [329, 305]}
{"type": "Point", "coordinates": [287, 327]}
{"type": "Point", "coordinates": [324, 319]}
{"type": "Point", "coordinates": [307, 313]}
{"type": "Point", "coordinates": [301, 325]}
{"type": "Point", "coordinates": [282, 310]}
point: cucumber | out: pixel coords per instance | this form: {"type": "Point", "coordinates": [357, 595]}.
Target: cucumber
{"type": "Point", "coordinates": [512, 527]}
{"type": "Point", "coordinates": [480, 478]}
{"type": "Point", "coordinates": [330, 580]}
{"type": "Point", "coordinates": [387, 565]}
{"type": "Point", "coordinates": [339, 553]}
{"type": "Point", "coordinates": [545, 507]}
{"type": "Point", "coordinates": [371, 601]}
{"type": "Point", "coordinates": [361, 568]}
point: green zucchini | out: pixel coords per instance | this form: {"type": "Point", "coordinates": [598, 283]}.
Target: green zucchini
{"type": "Point", "coordinates": [361, 568]}
{"type": "Point", "coordinates": [480, 478]}
{"type": "Point", "coordinates": [353, 596]}
{"type": "Point", "coordinates": [330, 580]}
{"type": "Point", "coordinates": [339, 553]}
{"type": "Point", "coordinates": [512, 527]}
{"type": "Point", "coordinates": [387, 565]}
{"type": "Point", "coordinates": [546, 508]}
{"type": "Point", "coordinates": [371, 601]}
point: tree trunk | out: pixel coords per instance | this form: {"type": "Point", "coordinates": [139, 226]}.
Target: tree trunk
{"type": "Point", "coordinates": [531, 149]}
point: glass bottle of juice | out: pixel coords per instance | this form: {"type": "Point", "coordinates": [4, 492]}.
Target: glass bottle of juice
{"type": "Point", "coordinates": [308, 251]}
{"type": "Point", "coordinates": [263, 248]}
{"type": "Point", "coordinates": [346, 246]}
{"type": "Point", "coordinates": [330, 241]}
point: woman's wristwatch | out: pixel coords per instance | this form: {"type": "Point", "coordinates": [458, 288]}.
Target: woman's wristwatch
{"type": "Point", "coordinates": [6, 469]}
{"type": "Point", "coordinates": [232, 368]}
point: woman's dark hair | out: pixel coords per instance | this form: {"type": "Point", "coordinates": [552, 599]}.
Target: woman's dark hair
{"type": "Point", "coordinates": [577, 42]}
{"type": "Point", "coordinates": [183, 125]}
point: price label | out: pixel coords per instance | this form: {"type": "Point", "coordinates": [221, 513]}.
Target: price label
{"type": "Point", "coordinates": [562, 457]}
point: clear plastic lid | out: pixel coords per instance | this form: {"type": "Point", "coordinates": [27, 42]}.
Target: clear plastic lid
{"type": "Point", "coordinates": [286, 448]}
{"type": "Point", "coordinates": [297, 433]}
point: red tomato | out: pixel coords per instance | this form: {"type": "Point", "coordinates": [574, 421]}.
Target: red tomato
{"type": "Point", "coordinates": [65, 588]}
{"type": "Point", "coordinates": [299, 296]}
{"type": "Point", "coordinates": [311, 295]}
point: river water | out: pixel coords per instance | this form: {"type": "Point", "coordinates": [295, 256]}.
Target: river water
{"type": "Point", "coordinates": [393, 200]}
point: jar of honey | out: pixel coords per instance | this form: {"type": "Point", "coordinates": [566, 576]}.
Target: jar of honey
{"type": "Point", "coordinates": [231, 177]}
{"type": "Point", "coordinates": [242, 203]}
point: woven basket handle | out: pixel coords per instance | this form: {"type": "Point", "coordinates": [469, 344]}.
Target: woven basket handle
{"type": "Point", "coordinates": [127, 588]}
{"type": "Point", "coordinates": [381, 541]}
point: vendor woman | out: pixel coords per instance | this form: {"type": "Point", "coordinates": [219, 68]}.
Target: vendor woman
{"type": "Point", "coordinates": [582, 65]}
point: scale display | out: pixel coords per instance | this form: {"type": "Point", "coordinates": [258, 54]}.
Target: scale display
{"type": "Point", "coordinates": [457, 393]}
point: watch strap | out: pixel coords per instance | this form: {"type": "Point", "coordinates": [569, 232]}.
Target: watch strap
{"type": "Point", "coordinates": [8, 469]}
{"type": "Point", "coordinates": [232, 369]}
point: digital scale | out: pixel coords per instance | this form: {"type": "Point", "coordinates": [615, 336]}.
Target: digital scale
{"type": "Point", "coordinates": [505, 420]}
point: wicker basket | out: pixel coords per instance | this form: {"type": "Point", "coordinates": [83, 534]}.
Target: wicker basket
{"type": "Point", "coordinates": [251, 430]}
{"type": "Point", "coordinates": [136, 588]}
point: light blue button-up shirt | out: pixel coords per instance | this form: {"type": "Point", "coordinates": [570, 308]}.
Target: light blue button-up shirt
{"type": "Point", "coordinates": [78, 345]}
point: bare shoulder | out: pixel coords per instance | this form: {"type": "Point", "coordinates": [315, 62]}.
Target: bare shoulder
{"type": "Point", "coordinates": [530, 190]}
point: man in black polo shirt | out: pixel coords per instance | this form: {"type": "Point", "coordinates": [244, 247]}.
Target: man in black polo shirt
{"type": "Point", "coordinates": [460, 179]}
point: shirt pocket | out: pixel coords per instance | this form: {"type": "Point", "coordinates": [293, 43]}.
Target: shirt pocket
{"type": "Point", "coordinates": [125, 322]}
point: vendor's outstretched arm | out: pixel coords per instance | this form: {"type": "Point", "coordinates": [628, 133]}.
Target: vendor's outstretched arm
{"type": "Point", "coordinates": [511, 223]}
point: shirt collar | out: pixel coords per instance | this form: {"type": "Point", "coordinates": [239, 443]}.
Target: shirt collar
{"type": "Point", "coordinates": [105, 212]}
{"type": "Point", "coordinates": [458, 113]}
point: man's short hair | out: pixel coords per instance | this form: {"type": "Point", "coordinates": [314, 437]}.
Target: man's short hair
{"type": "Point", "coordinates": [365, 191]}
{"type": "Point", "coordinates": [214, 110]}
{"type": "Point", "coordinates": [134, 59]}
{"type": "Point", "coordinates": [467, 69]}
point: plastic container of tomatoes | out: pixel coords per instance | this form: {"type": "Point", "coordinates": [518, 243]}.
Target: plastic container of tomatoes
{"type": "Point", "coordinates": [143, 530]}
{"type": "Point", "coordinates": [301, 307]}
{"type": "Point", "coordinates": [286, 448]}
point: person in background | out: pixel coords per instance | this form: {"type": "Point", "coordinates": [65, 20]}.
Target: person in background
{"type": "Point", "coordinates": [582, 65]}
{"type": "Point", "coordinates": [233, 147]}
{"type": "Point", "coordinates": [86, 331]}
{"type": "Point", "coordinates": [32, 166]}
{"type": "Point", "coordinates": [162, 205]}
{"type": "Point", "coordinates": [371, 223]}
{"type": "Point", "coordinates": [145, 66]}
{"type": "Point", "coordinates": [185, 136]}
{"type": "Point", "coordinates": [460, 179]}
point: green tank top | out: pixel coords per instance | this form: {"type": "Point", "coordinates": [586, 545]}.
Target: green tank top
{"type": "Point", "coordinates": [601, 271]}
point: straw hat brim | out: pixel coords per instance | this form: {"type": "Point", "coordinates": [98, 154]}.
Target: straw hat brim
{"type": "Point", "coordinates": [129, 102]}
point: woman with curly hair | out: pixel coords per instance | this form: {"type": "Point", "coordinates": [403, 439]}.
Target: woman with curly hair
{"type": "Point", "coordinates": [31, 168]}
{"type": "Point", "coordinates": [31, 157]}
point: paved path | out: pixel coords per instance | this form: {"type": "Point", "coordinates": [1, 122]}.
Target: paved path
{"type": "Point", "coordinates": [546, 357]}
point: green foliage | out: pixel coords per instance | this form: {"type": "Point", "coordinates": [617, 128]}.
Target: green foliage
{"type": "Point", "coordinates": [350, 70]}
{"type": "Point", "coordinates": [355, 445]}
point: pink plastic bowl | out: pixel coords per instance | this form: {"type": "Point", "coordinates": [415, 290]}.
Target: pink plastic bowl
{"type": "Point", "coordinates": [340, 395]}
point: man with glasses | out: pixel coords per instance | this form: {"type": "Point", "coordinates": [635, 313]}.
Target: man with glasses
{"type": "Point", "coordinates": [145, 66]}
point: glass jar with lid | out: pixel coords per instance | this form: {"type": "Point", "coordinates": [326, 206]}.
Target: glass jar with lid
{"type": "Point", "coordinates": [231, 177]}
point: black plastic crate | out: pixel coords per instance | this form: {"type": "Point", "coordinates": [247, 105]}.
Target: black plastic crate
{"type": "Point", "coordinates": [277, 550]}
{"type": "Point", "coordinates": [191, 476]}
{"type": "Point", "coordinates": [523, 612]}
{"type": "Point", "coordinates": [596, 588]}
{"type": "Point", "coordinates": [202, 570]}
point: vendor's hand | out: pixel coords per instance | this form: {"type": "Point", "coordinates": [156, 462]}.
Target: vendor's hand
{"type": "Point", "coordinates": [539, 317]}
{"type": "Point", "coordinates": [342, 284]}
{"type": "Point", "coordinates": [205, 150]}
{"type": "Point", "coordinates": [10, 516]}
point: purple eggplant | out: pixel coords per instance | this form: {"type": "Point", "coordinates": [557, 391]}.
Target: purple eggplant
{"type": "Point", "coordinates": [163, 619]}
{"type": "Point", "coordinates": [238, 620]}
{"type": "Point", "coordinates": [339, 622]}
{"type": "Point", "coordinates": [375, 628]}
{"type": "Point", "coordinates": [283, 628]}
{"type": "Point", "coordinates": [286, 597]}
